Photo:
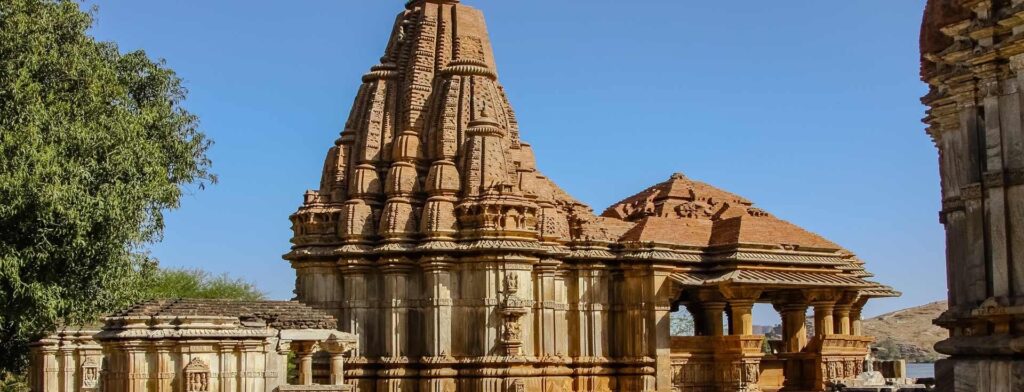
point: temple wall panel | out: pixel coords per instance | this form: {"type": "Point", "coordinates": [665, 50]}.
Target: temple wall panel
{"type": "Point", "coordinates": [1012, 144]}
{"type": "Point", "coordinates": [438, 312]}
{"type": "Point", "coordinates": [359, 302]}
{"type": "Point", "coordinates": [975, 271]}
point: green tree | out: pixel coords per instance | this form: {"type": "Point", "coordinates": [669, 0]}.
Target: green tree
{"type": "Point", "coordinates": [888, 350]}
{"type": "Point", "coordinates": [94, 146]}
{"type": "Point", "coordinates": [194, 283]}
{"type": "Point", "coordinates": [13, 383]}
{"type": "Point", "coordinates": [681, 323]}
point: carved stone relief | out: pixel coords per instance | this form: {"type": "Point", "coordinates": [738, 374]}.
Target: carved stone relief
{"type": "Point", "coordinates": [90, 373]}
{"type": "Point", "coordinates": [197, 376]}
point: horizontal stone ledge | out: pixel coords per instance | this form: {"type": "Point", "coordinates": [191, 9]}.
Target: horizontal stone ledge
{"type": "Point", "coordinates": [989, 345]}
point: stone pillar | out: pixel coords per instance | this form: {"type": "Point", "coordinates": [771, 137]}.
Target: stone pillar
{"type": "Point", "coordinates": [164, 367]}
{"type": "Point", "coordinates": [66, 361]}
{"type": "Point", "coordinates": [399, 291]}
{"type": "Point", "coordinates": [856, 325]}
{"type": "Point", "coordinates": [544, 309]}
{"type": "Point", "coordinates": [438, 283]}
{"type": "Point", "coordinates": [360, 315]}
{"type": "Point", "coordinates": [228, 374]}
{"type": "Point", "coordinates": [794, 327]}
{"type": "Point", "coordinates": [842, 319]}
{"type": "Point", "coordinates": [337, 350]}
{"type": "Point", "coordinates": [397, 287]}
{"type": "Point", "coordinates": [741, 301]}
{"type": "Point", "coordinates": [50, 368]}
{"type": "Point", "coordinates": [254, 362]}
{"type": "Point", "coordinates": [590, 308]}
{"type": "Point", "coordinates": [665, 291]}
{"type": "Point", "coordinates": [561, 306]}
{"type": "Point", "coordinates": [697, 312]}
{"type": "Point", "coordinates": [741, 314]}
{"type": "Point", "coordinates": [823, 320]}
{"type": "Point", "coordinates": [138, 368]}
{"type": "Point", "coordinates": [337, 369]}
{"type": "Point", "coordinates": [640, 329]}
{"type": "Point", "coordinates": [304, 354]}
{"type": "Point", "coordinates": [713, 317]}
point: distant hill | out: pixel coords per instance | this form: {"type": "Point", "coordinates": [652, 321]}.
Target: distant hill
{"type": "Point", "coordinates": [909, 333]}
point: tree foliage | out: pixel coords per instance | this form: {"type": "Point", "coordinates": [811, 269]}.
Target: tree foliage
{"type": "Point", "coordinates": [94, 146]}
{"type": "Point", "coordinates": [681, 323]}
{"type": "Point", "coordinates": [13, 383]}
{"type": "Point", "coordinates": [194, 283]}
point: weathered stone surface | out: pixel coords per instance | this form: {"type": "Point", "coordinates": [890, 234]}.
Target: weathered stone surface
{"type": "Point", "coordinates": [436, 239]}
{"type": "Point", "coordinates": [192, 346]}
{"type": "Point", "coordinates": [972, 58]}
{"type": "Point", "coordinates": [437, 243]}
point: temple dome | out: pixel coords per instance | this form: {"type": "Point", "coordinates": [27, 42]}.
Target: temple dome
{"type": "Point", "coordinates": [681, 211]}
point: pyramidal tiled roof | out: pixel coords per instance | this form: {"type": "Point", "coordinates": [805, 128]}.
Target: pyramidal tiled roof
{"type": "Point", "coordinates": [276, 314]}
{"type": "Point", "coordinates": [687, 212]}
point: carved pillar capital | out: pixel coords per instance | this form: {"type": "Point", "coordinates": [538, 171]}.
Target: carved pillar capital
{"type": "Point", "coordinates": [335, 345]}
{"type": "Point", "coordinates": [713, 317]}
{"type": "Point", "coordinates": [794, 328]}
{"type": "Point", "coordinates": [337, 348]}
{"type": "Point", "coordinates": [304, 352]}
{"type": "Point", "coordinates": [741, 317]}
{"type": "Point", "coordinates": [741, 293]}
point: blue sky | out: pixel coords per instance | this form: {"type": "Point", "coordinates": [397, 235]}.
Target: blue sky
{"type": "Point", "coordinates": [807, 107]}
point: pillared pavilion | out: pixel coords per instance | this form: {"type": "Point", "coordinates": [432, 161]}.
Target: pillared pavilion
{"type": "Point", "coordinates": [461, 267]}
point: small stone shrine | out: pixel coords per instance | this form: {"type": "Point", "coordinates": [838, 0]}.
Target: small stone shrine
{"type": "Point", "coordinates": [195, 346]}
{"type": "Point", "coordinates": [434, 237]}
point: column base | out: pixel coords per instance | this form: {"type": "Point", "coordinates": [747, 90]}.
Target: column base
{"type": "Point", "coordinates": [979, 375]}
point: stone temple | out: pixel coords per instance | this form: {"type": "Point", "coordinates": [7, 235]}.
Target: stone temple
{"type": "Point", "coordinates": [435, 257]}
{"type": "Point", "coordinates": [436, 240]}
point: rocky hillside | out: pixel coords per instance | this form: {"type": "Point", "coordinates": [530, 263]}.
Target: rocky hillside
{"type": "Point", "coordinates": [908, 333]}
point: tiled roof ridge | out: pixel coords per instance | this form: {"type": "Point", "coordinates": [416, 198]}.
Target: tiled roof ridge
{"type": "Point", "coordinates": [275, 313]}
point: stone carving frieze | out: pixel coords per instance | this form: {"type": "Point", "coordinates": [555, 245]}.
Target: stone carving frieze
{"type": "Point", "coordinates": [698, 209]}
{"type": "Point", "coordinates": [186, 333]}
{"type": "Point", "coordinates": [751, 373]}
{"type": "Point", "coordinates": [512, 310]}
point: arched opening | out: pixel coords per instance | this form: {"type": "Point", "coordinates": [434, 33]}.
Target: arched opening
{"type": "Point", "coordinates": [682, 323]}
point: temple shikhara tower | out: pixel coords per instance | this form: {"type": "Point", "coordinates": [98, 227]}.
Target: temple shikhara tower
{"type": "Point", "coordinates": [436, 240]}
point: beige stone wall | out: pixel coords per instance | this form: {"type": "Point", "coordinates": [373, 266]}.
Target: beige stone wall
{"type": "Point", "coordinates": [159, 366]}
{"type": "Point", "coordinates": [67, 361]}
{"type": "Point", "coordinates": [136, 352]}
{"type": "Point", "coordinates": [455, 311]}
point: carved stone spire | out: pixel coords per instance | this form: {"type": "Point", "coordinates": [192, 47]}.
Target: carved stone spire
{"type": "Point", "coordinates": [431, 133]}
{"type": "Point", "coordinates": [485, 161]}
